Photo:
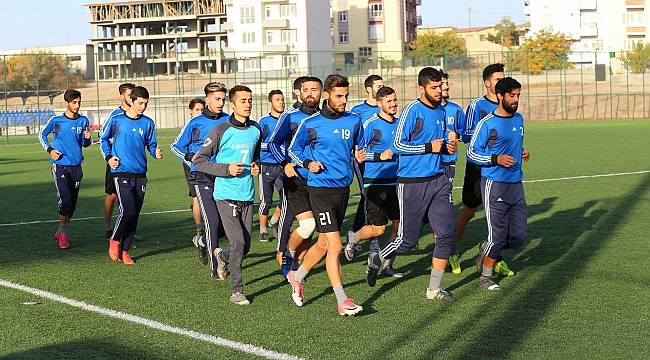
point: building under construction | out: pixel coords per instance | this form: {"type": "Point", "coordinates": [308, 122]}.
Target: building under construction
{"type": "Point", "coordinates": [158, 37]}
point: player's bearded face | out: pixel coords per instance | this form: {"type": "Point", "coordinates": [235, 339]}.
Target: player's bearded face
{"type": "Point", "coordinates": [337, 98]}
{"type": "Point", "coordinates": [511, 101]}
{"type": "Point", "coordinates": [445, 88]}
{"type": "Point", "coordinates": [389, 104]}
{"type": "Point", "coordinates": [310, 94]}
{"type": "Point", "coordinates": [433, 92]}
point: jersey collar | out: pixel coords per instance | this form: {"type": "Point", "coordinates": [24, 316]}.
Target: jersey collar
{"type": "Point", "coordinates": [328, 112]}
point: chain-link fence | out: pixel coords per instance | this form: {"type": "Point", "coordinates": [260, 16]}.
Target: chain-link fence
{"type": "Point", "coordinates": [584, 86]}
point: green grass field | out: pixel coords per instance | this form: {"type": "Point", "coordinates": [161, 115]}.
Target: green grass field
{"type": "Point", "coordinates": [581, 290]}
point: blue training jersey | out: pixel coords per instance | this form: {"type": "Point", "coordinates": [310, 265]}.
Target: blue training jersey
{"type": "Point", "coordinates": [329, 138]}
{"type": "Point", "coordinates": [378, 134]}
{"type": "Point", "coordinates": [267, 126]}
{"type": "Point", "coordinates": [67, 138]}
{"type": "Point", "coordinates": [284, 132]}
{"type": "Point", "coordinates": [419, 125]}
{"type": "Point", "coordinates": [476, 110]}
{"type": "Point", "coordinates": [455, 117]}
{"type": "Point", "coordinates": [365, 110]}
{"type": "Point", "coordinates": [132, 138]}
{"type": "Point", "coordinates": [497, 135]}
{"type": "Point", "coordinates": [193, 135]}
{"type": "Point", "coordinates": [228, 143]}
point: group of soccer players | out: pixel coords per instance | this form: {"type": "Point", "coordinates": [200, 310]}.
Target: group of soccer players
{"type": "Point", "coordinates": [404, 163]}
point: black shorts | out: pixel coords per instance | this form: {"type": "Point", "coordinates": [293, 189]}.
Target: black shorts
{"type": "Point", "coordinates": [109, 184]}
{"type": "Point", "coordinates": [297, 194]}
{"type": "Point", "coordinates": [190, 186]}
{"type": "Point", "coordinates": [472, 186]}
{"type": "Point", "coordinates": [329, 205]}
{"type": "Point", "coordinates": [381, 204]}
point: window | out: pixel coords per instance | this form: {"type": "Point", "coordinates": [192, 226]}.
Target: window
{"type": "Point", "coordinates": [289, 61]}
{"type": "Point", "coordinates": [289, 36]}
{"type": "Point", "coordinates": [272, 11]}
{"type": "Point", "coordinates": [376, 10]}
{"type": "Point", "coordinates": [635, 18]}
{"type": "Point", "coordinates": [271, 37]}
{"type": "Point", "coordinates": [251, 64]}
{"type": "Point", "coordinates": [247, 15]}
{"type": "Point", "coordinates": [343, 16]}
{"type": "Point", "coordinates": [287, 11]}
{"type": "Point", "coordinates": [588, 19]}
{"type": "Point", "coordinates": [267, 12]}
{"type": "Point", "coordinates": [365, 51]}
{"type": "Point", "coordinates": [343, 37]}
{"type": "Point", "coordinates": [376, 32]}
{"type": "Point", "coordinates": [248, 37]}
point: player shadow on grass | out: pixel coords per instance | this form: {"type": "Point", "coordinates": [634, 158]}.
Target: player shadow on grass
{"type": "Point", "coordinates": [84, 349]}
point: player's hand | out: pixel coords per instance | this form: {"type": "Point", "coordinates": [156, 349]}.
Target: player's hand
{"type": "Point", "coordinates": [159, 152]}
{"type": "Point", "coordinates": [315, 167]}
{"type": "Point", "coordinates": [360, 155]}
{"type": "Point", "coordinates": [114, 162]}
{"type": "Point", "coordinates": [235, 169]}
{"type": "Point", "coordinates": [505, 160]}
{"type": "Point", "coordinates": [55, 154]}
{"type": "Point", "coordinates": [87, 133]}
{"type": "Point", "coordinates": [436, 145]}
{"type": "Point", "coordinates": [452, 136]}
{"type": "Point", "coordinates": [255, 169]}
{"type": "Point", "coordinates": [386, 155]}
{"type": "Point", "coordinates": [290, 170]}
{"type": "Point", "coordinates": [525, 155]}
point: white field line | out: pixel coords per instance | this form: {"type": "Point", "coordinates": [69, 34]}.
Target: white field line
{"type": "Point", "coordinates": [455, 187]}
{"type": "Point", "coordinates": [219, 341]}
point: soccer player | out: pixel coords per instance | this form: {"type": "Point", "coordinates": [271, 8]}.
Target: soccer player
{"type": "Point", "coordinates": [109, 186]}
{"type": "Point", "coordinates": [455, 116]}
{"type": "Point", "coordinates": [69, 134]}
{"type": "Point", "coordinates": [196, 106]}
{"type": "Point", "coordinates": [133, 134]}
{"type": "Point", "coordinates": [497, 147]}
{"type": "Point", "coordinates": [297, 85]}
{"type": "Point", "coordinates": [422, 187]}
{"type": "Point", "coordinates": [235, 147]}
{"type": "Point", "coordinates": [325, 144]}
{"type": "Point", "coordinates": [477, 110]}
{"type": "Point", "coordinates": [271, 172]}
{"type": "Point", "coordinates": [366, 109]}
{"type": "Point", "coordinates": [295, 197]}
{"type": "Point", "coordinates": [380, 176]}
{"type": "Point", "coordinates": [201, 185]}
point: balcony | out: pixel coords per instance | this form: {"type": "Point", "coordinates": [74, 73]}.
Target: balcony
{"type": "Point", "coordinates": [227, 2]}
{"type": "Point", "coordinates": [589, 31]}
{"type": "Point", "coordinates": [635, 30]}
{"type": "Point", "coordinates": [275, 48]}
{"type": "Point", "coordinates": [634, 4]}
{"type": "Point", "coordinates": [275, 23]}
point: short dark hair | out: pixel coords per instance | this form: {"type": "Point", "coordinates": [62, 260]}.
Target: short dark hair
{"type": "Point", "coordinates": [444, 74]}
{"type": "Point", "coordinates": [383, 92]}
{"type": "Point", "coordinates": [506, 85]}
{"type": "Point", "coordinates": [193, 103]}
{"type": "Point", "coordinates": [214, 87]}
{"type": "Point", "coordinates": [334, 81]}
{"type": "Point", "coordinates": [139, 92]}
{"type": "Point", "coordinates": [297, 84]}
{"type": "Point", "coordinates": [71, 94]}
{"type": "Point", "coordinates": [428, 74]}
{"type": "Point", "coordinates": [370, 80]}
{"type": "Point", "coordinates": [311, 79]}
{"type": "Point", "coordinates": [124, 87]}
{"type": "Point", "coordinates": [491, 69]}
{"type": "Point", "coordinates": [275, 92]}
{"type": "Point", "coordinates": [237, 88]}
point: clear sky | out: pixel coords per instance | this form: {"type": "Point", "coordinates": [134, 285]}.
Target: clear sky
{"type": "Point", "coordinates": [32, 23]}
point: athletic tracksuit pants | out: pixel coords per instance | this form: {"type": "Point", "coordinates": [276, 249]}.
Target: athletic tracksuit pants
{"type": "Point", "coordinates": [130, 193]}
{"type": "Point", "coordinates": [237, 219]}
{"type": "Point", "coordinates": [270, 177]}
{"type": "Point", "coordinates": [67, 180]}
{"type": "Point", "coordinates": [431, 198]}
{"type": "Point", "coordinates": [211, 219]}
{"type": "Point", "coordinates": [360, 218]}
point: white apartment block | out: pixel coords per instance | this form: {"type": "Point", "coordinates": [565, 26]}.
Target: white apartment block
{"type": "Point", "coordinates": [597, 27]}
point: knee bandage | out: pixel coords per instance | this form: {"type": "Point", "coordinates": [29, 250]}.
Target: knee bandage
{"type": "Point", "coordinates": [306, 227]}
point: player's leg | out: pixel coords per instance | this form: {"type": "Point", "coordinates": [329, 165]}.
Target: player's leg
{"type": "Point", "coordinates": [212, 223]}
{"type": "Point", "coordinates": [278, 183]}
{"type": "Point", "coordinates": [196, 210]}
{"type": "Point", "coordinates": [471, 200]}
{"type": "Point", "coordinates": [497, 218]}
{"type": "Point", "coordinates": [266, 200]}
{"type": "Point", "coordinates": [109, 201]}
{"type": "Point", "coordinates": [360, 216]}
{"type": "Point", "coordinates": [231, 217]}
{"type": "Point", "coordinates": [391, 211]}
{"type": "Point", "coordinates": [64, 185]}
{"type": "Point", "coordinates": [518, 224]}
{"type": "Point", "coordinates": [441, 215]}
{"type": "Point", "coordinates": [138, 191]}
{"type": "Point", "coordinates": [375, 220]}
{"type": "Point", "coordinates": [298, 199]}
{"type": "Point", "coordinates": [125, 189]}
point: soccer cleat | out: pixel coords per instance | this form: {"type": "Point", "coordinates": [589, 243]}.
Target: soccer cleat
{"type": "Point", "coordinates": [479, 257]}
{"type": "Point", "coordinates": [126, 259]}
{"type": "Point", "coordinates": [440, 294]}
{"type": "Point", "coordinates": [215, 276]}
{"type": "Point", "coordinates": [454, 263]}
{"type": "Point", "coordinates": [390, 272]}
{"type": "Point", "coordinates": [374, 265]}
{"type": "Point", "coordinates": [502, 269]}
{"type": "Point", "coordinates": [296, 288]}
{"type": "Point", "coordinates": [108, 234]}
{"type": "Point", "coordinates": [274, 229]}
{"type": "Point", "coordinates": [349, 249]}
{"type": "Point", "coordinates": [488, 283]}
{"type": "Point", "coordinates": [264, 237]}
{"type": "Point", "coordinates": [114, 249]}
{"type": "Point", "coordinates": [62, 239]}
{"type": "Point", "coordinates": [239, 299]}
{"type": "Point", "coordinates": [374, 245]}
{"type": "Point", "coordinates": [203, 255]}
{"type": "Point", "coordinates": [349, 308]}
{"type": "Point", "coordinates": [222, 267]}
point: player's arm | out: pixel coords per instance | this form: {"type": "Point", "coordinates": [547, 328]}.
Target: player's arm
{"type": "Point", "coordinates": [466, 127]}
{"type": "Point", "coordinates": [105, 146]}
{"type": "Point", "coordinates": [297, 147]}
{"type": "Point", "coordinates": [276, 143]}
{"type": "Point", "coordinates": [359, 150]}
{"type": "Point", "coordinates": [86, 141]}
{"type": "Point", "coordinates": [42, 135]}
{"type": "Point", "coordinates": [477, 151]}
{"type": "Point", "coordinates": [264, 128]}
{"type": "Point", "coordinates": [152, 142]}
{"type": "Point", "coordinates": [209, 149]}
{"type": "Point", "coordinates": [255, 165]}
{"type": "Point", "coordinates": [181, 146]}
{"type": "Point", "coordinates": [402, 143]}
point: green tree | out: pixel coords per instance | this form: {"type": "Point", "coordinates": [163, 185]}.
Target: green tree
{"type": "Point", "coordinates": [39, 69]}
{"type": "Point", "coordinates": [636, 60]}
{"type": "Point", "coordinates": [546, 50]}
{"type": "Point", "coordinates": [506, 33]}
{"type": "Point", "coordinates": [431, 45]}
